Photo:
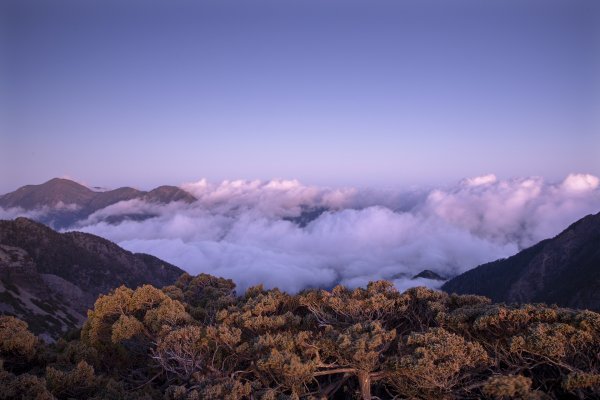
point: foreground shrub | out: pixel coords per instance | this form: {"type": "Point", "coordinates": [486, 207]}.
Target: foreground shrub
{"type": "Point", "coordinates": [198, 340]}
{"type": "Point", "coordinates": [17, 343]}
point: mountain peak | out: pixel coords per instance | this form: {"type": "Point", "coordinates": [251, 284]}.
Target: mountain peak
{"type": "Point", "coordinates": [166, 194]}
{"type": "Point", "coordinates": [55, 192]}
{"type": "Point", "coordinates": [61, 180]}
{"type": "Point", "coordinates": [429, 274]}
{"type": "Point", "coordinates": [65, 201]}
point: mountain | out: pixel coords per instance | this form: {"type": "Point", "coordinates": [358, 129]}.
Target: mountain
{"type": "Point", "coordinates": [50, 279]}
{"type": "Point", "coordinates": [564, 270]}
{"type": "Point", "coordinates": [307, 215]}
{"type": "Point", "coordinates": [428, 274]}
{"type": "Point", "coordinates": [66, 202]}
{"type": "Point", "coordinates": [49, 194]}
{"type": "Point", "coordinates": [167, 194]}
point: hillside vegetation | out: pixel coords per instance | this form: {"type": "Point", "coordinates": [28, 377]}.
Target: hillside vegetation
{"type": "Point", "coordinates": [198, 340]}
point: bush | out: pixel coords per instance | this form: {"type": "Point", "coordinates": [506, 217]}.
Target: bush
{"type": "Point", "coordinates": [198, 340]}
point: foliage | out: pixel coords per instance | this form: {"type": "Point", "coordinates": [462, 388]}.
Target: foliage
{"type": "Point", "coordinates": [16, 342]}
{"type": "Point", "coordinates": [78, 382]}
{"type": "Point", "coordinates": [23, 386]}
{"type": "Point", "coordinates": [437, 363]}
{"type": "Point", "coordinates": [198, 340]}
{"type": "Point", "coordinates": [125, 325]}
{"type": "Point", "coordinates": [203, 294]}
{"type": "Point", "coordinates": [508, 386]}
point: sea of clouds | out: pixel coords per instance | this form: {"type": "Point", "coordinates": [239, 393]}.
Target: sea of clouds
{"type": "Point", "coordinates": [241, 229]}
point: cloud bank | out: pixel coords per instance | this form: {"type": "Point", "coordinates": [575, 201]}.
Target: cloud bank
{"type": "Point", "coordinates": [246, 231]}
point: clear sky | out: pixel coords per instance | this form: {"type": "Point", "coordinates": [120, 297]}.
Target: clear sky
{"type": "Point", "coordinates": [380, 93]}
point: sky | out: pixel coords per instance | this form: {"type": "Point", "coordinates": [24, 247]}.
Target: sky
{"type": "Point", "coordinates": [366, 93]}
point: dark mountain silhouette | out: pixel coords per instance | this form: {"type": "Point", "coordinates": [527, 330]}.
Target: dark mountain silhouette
{"type": "Point", "coordinates": [50, 279]}
{"type": "Point", "coordinates": [428, 274]}
{"type": "Point", "coordinates": [307, 215]}
{"type": "Point", "coordinates": [66, 202]}
{"type": "Point", "coordinates": [564, 270]}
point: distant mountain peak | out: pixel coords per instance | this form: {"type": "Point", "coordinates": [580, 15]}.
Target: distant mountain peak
{"type": "Point", "coordinates": [166, 194]}
{"type": "Point", "coordinates": [61, 180]}
{"type": "Point", "coordinates": [68, 201]}
{"type": "Point", "coordinates": [429, 274]}
{"type": "Point", "coordinates": [48, 194]}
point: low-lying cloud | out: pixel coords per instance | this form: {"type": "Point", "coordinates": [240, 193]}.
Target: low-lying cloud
{"type": "Point", "coordinates": [245, 230]}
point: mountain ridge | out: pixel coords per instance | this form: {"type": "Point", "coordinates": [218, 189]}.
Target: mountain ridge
{"type": "Point", "coordinates": [67, 201]}
{"type": "Point", "coordinates": [563, 270]}
{"type": "Point", "coordinates": [50, 279]}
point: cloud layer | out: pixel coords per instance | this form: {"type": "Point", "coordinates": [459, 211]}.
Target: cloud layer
{"type": "Point", "coordinates": [241, 229]}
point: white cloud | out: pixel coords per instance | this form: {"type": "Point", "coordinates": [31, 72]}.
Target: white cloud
{"type": "Point", "coordinates": [521, 211]}
{"type": "Point", "coordinates": [349, 246]}
{"type": "Point", "coordinates": [481, 180]}
{"type": "Point", "coordinates": [237, 229]}
{"type": "Point", "coordinates": [580, 182]}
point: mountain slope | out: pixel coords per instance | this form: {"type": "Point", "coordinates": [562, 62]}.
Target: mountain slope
{"type": "Point", "coordinates": [167, 194]}
{"type": "Point", "coordinates": [50, 279]}
{"type": "Point", "coordinates": [66, 202]}
{"type": "Point", "coordinates": [105, 199]}
{"type": "Point", "coordinates": [564, 270]}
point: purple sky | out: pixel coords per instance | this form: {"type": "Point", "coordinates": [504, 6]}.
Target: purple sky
{"type": "Point", "coordinates": [374, 93]}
